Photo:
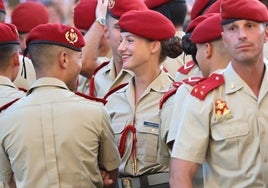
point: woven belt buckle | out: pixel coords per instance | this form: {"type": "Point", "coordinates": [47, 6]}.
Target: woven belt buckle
{"type": "Point", "coordinates": [126, 182]}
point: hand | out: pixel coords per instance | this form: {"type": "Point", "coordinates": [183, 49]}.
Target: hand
{"type": "Point", "coordinates": [101, 8]}
{"type": "Point", "coordinates": [107, 181]}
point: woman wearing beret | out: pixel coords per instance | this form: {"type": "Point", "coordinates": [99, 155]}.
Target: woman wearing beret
{"type": "Point", "coordinates": [134, 108]}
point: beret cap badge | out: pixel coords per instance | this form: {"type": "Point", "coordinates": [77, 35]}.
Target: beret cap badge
{"type": "Point", "coordinates": [71, 36]}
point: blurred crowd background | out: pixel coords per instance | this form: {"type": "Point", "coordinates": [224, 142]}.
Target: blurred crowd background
{"type": "Point", "coordinates": [60, 11]}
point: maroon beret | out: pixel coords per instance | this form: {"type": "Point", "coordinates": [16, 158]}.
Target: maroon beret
{"type": "Point", "coordinates": [151, 4]}
{"type": "Point", "coordinates": [2, 6]}
{"type": "Point", "coordinates": [240, 9]}
{"type": "Point", "coordinates": [29, 14]}
{"type": "Point", "coordinates": [84, 14]}
{"type": "Point", "coordinates": [56, 34]}
{"type": "Point", "coordinates": [118, 7]}
{"type": "Point", "coordinates": [208, 29]}
{"type": "Point", "coordinates": [195, 22]}
{"type": "Point", "coordinates": [199, 8]}
{"type": "Point", "coordinates": [214, 8]}
{"type": "Point", "coordinates": [148, 24]}
{"type": "Point", "coordinates": [9, 34]}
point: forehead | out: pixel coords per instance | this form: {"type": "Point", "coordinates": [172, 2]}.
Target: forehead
{"type": "Point", "coordinates": [241, 22]}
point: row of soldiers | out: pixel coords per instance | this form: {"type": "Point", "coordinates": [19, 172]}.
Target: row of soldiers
{"type": "Point", "coordinates": [91, 122]}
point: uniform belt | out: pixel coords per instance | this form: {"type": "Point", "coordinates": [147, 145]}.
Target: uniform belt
{"type": "Point", "coordinates": [143, 181]}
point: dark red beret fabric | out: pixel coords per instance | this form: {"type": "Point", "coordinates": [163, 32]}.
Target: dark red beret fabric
{"type": "Point", "coordinates": [148, 24]}
{"type": "Point", "coordinates": [9, 34]}
{"type": "Point", "coordinates": [84, 14]}
{"type": "Point", "coordinates": [195, 22]}
{"type": "Point", "coordinates": [57, 34]}
{"type": "Point", "coordinates": [29, 14]}
{"type": "Point", "coordinates": [243, 9]}
{"type": "Point", "coordinates": [214, 8]}
{"type": "Point", "coordinates": [118, 7]}
{"type": "Point", "coordinates": [208, 29]}
{"type": "Point", "coordinates": [2, 6]}
{"type": "Point", "coordinates": [198, 8]}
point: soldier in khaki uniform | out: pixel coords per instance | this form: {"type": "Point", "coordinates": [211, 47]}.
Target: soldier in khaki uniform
{"type": "Point", "coordinates": [214, 60]}
{"type": "Point", "coordinates": [224, 122]}
{"type": "Point", "coordinates": [9, 66]}
{"type": "Point", "coordinates": [52, 137]}
{"type": "Point", "coordinates": [134, 108]}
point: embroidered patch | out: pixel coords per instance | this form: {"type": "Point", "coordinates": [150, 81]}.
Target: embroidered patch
{"type": "Point", "coordinates": [150, 124]}
{"type": "Point", "coordinates": [222, 112]}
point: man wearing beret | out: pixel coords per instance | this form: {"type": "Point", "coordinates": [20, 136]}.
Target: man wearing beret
{"type": "Point", "coordinates": [52, 137]}
{"type": "Point", "coordinates": [228, 111]}
{"type": "Point", "coordinates": [212, 57]}
{"type": "Point", "coordinates": [9, 66]}
{"type": "Point", "coordinates": [9, 63]}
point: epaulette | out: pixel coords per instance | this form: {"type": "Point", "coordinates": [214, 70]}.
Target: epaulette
{"type": "Point", "coordinates": [92, 79]}
{"type": "Point", "coordinates": [22, 89]}
{"type": "Point", "coordinates": [103, 101]}
{"type": "Point", "coordinates": [5, 106]}
{"type": "Point", "coordinates": [201, 90]}
{"type": "Point", "coordinates": [187, 67]}
{"type": "Point", "coordinates": [111, 91]}
{"type": "Point", "coordinates": [193, 80]}
{"type": "Point", "coordinates": [169, 93]}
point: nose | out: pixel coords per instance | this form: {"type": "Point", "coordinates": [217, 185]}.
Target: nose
{"type": "Point", "coordinates": [122, 46]}
{"type": "Point", "coordinates": [242, 33]}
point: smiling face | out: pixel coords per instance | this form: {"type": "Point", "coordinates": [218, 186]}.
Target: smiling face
{"type": "Point", "coordinates": [244, 39]}
{"type": "Point", "coordinates": [136, 51]}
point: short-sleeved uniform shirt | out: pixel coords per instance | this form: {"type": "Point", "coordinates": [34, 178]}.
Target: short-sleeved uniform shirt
{"type": "Point", "coordinates": [144, 115]}
{"type": "Point", "coordinates": [54, 138]}
{"type": "Point", "coordinates": [106, 79]}
{"type": "Point", "coordinates": [227, 131]}
{"type": "Point", "coordinates": [8, 91]}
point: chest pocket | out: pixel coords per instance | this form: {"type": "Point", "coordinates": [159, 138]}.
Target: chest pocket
{"type": "Point", "coordinates": [226, 131]}
{"type": "Point", "coordinates": [148, 141]}
{"type": "Point", "coordinates": [227, 142]}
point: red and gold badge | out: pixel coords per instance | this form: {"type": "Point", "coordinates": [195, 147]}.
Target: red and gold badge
{"type": "Point", "coordinates": [222, 111]}
{"type": "Point", "coordinates": [71, 36]}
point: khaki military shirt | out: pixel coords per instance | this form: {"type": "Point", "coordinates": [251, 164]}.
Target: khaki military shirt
{"type": "Point", "coordinates": [8, 91]}
{"type": "Point", "coordinates": [145, 117]}
{"type": "Point", "coordinates": [232, 143]}
{"type": "Point", "coordinates": [25, 76]}
{"type": "Point", "coordinates": [54, 138]}
{"type": "Point", "coordinates": [106, 79]}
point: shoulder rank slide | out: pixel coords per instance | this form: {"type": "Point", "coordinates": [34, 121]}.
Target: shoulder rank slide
{"type": "Point", "coordinates": [201, 90]}
{"type": "Point", "coordinates": [193, 80]}
{"type": "Point", "coordinates": [187, 67]}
